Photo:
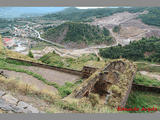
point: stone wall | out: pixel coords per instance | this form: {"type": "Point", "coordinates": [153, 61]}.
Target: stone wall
{"type": "Point", "coordinates": [75, 72]}
{"type": "Point", "coordinates": [113, 80]}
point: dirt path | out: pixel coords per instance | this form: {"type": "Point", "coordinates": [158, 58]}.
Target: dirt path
{"type": "Point", "coordinates": [53, 75]}
{"type": "Point", "coordinates": [157, 65]}
{"type": "Point", "coordinates": [152, 75]}
{"type": "Point", "coordinates": [29, 80]}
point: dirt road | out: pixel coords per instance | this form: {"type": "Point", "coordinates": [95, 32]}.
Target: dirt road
{"type": "Point", "coordinates": [152, 75]}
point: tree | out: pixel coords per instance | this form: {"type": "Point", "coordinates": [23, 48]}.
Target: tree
{"type": "Point", "coordinates": [117, 29]}
{"type": "Point", "coordinates": [30, 54]}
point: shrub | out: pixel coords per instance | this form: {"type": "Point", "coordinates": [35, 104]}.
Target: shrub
{"type": "Point", "coordinates": [30, 54]}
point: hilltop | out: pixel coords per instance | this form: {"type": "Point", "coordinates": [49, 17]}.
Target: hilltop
{"type": "Point", "coordinates": [74, 34]}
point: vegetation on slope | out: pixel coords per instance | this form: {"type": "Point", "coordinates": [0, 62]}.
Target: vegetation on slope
{"type": "Point", "coordinates": [15, 66]}
{"type": "Point", "coordinates": [141, 99]}
{"type": "Point", "coordinates": [30, 54]}
{"type": "Point", "coordinates": [9, 23]}
{"type": "Point", "coordinates": [2, 49]}
{"type": "Point", "coordinates": [74, 14]}
{"type": "Point", "coordinates": [147, 66]}
{"type": "Point", "coordinates": [77, 64]}
{"type": "Point", "coordinates": [144, 80]}
{"type": "Point", "coordinates": [153, 17]}
{"type": "Point", "coordinates": [79, 33]}
{"type": "Point", "coordinates": [117, 28]}
{"type": "Point", "coordinates": [145, 49]}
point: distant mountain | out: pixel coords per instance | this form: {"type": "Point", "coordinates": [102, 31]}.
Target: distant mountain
{"type": "Point", "coordinates": [12, 12]}
{"type": "Point", "coordinates": [76, 14]}
{"type": "Point", "coordinates": [78, 35]}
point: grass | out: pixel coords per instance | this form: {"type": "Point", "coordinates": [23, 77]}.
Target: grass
{"type": "Point", "coordinates": [63, 90]}
{"type": "Point", "coordinates": [67, 88]}
{"type": "Point", "coordinates": [2, 49]}
{"type": "Point", "coordinates": [40, 45]}
{"type": "Point", "coordinates": [23, 88]}
{"type": "Point", "coordinates": [77, 64]}
{"type": "Point", "coordinates": [144, 80]}
{"type": "Point", "coordinates": [144, 66]}
{"type": "Point", "coordinates": [15, 62]}
{"type": "Point", "coordinates": [83, 106]}
{"type": "Point", "coordinates": [136, 99]}
{"type": "Point", "coordinates": [12, 67]}
{"type": "Point", "coordinates": [141, 99]}
{"type": "Point", "coordinates": [55, 101]}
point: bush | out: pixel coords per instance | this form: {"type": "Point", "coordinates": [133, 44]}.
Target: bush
{"type": "Point", "coordinates": [30, 54]}
{"type": "Point", "coordinates": [141, 79]}
{"type": "Point", "coordinates": [117, 29]}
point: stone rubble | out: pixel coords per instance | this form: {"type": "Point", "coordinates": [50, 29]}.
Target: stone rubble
{"type": "Point", "coordinates": [10, 104]}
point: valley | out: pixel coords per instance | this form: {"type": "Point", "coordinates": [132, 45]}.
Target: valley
{"type": "Point", "coordinates": [44, 61]}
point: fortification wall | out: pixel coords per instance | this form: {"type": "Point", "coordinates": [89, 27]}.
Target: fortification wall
{"type": "Point", "coordinates": [86, 72]}
{"type": "Point", "coordinates": [75, 72]}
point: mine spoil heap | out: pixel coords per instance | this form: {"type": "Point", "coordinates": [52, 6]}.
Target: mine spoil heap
{"type": "Point", "coordinates": [112, 83]}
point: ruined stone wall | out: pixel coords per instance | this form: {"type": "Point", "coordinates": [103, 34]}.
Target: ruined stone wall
{"type": "Point", "coordinates": [120, 90]}
{"type": "Point", "coordinates": [75, 72]}
{"type": "Point", "coordinates": [113, 81]}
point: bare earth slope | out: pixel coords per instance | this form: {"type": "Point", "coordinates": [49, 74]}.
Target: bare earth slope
{"type": "Point", "coordinates": [131, 27]}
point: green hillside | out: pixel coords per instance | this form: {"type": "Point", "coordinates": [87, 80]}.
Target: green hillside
{"type": "Point", "coordinates": [145, 49]}
{"type": "Point", "coordinates": [74, 14]}
{"type": "Point", "coordinates": [78, 33]}
{"type": "Point", "coordinates": [153, 17]}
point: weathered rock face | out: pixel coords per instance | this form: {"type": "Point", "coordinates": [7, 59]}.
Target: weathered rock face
{"type": "Point", "coordinates": [113, 82]}
{"type": "Point", "coordinates": [9, 104]}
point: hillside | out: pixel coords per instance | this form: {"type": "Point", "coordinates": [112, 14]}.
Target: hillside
{"type": "Point", "coordinates": [54, 59]}
{"type": "Point", "coordinates": [78, 35]}
{"type": "Point", "coordinates": [153, 17]}
{"type": "Point", "coordinates": [74, 14]}
{"type": "Point", "coordinates": [145, 49]}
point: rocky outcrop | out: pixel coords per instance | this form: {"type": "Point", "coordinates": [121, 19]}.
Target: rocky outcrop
{"type": "Point", "coordinates": [10, 104]}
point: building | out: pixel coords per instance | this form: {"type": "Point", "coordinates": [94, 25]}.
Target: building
{"type": "Point", "coordinates": [8, 42]}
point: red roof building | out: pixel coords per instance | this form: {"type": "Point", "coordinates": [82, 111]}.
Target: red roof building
{"type": "Point", "coordinates": [8, 42]}
{"type": "Point", "coordinates": [6, 39]}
